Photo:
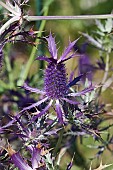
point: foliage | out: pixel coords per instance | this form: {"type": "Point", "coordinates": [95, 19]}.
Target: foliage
{"type": "Point", "coordinates": [54, 107]}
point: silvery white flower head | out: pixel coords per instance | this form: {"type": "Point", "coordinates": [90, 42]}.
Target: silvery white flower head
{"type": "Point", "coordinates": [14, 8]}
{"type": "Point", "coordinates": [15, 12]}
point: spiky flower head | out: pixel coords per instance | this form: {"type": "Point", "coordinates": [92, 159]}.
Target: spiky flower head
{"type": "Point", "coordinates": [56, 84]}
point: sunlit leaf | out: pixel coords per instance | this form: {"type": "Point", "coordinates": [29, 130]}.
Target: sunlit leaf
{"type": "Point", "coordinates": [101, 167]}
{"type": "Point", "coordinates": [108, 25]}
{"type": "Point", "coordinates": [93, 41]}
{"type": "Point", "coordinates": [100, 26]}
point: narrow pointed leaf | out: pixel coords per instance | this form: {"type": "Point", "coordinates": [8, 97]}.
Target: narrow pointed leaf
{"type": "Point", "coordinates": [52, 46]}
{"type": "Point", "coordinates": [72, 83]}
{"type": "Point", "coordinates": [83, 92]}
{"type": "Point", "coordinates": [67, 50]}
{"type": "Point", "coordinates": [34, 105]}
{"type": "Point", "coordinates": [35, 90]}
{"type": "Point", "coordinates": [43, 111]}
{"type": "Point", "coordinates": [43, 58]}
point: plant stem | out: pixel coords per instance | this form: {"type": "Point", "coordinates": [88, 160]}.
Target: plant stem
{"type": "Point", "coordinates": [32, 55]}
{"type": "Point", "coordinates": [58, 145]}
{"type": "Point", "coordinates": [106, 69]}
{"type": "Point", "coordinates": [80, 17]}
{"type": "Point", "coordinates": [9, 69]}
{"type": "Point", "coordinates": [8, 23]}
{"type": "Point", "coordinates": [3, 85]}
{"type": "Point", "coordinates": [34, 18]}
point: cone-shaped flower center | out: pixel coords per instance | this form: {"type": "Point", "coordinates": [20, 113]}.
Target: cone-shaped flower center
{"type": "Point", "coordinates": [55, 80]}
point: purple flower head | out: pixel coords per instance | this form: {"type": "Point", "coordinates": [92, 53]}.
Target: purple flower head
{"type": "Point", "coordinates": [56, 85]}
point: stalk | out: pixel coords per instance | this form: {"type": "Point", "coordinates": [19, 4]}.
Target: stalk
{"type": "Point", "coordinates": [9, 70]}
{"type": "Point", "coordinates": [106, 69]}
{"type": "Point", "coordinates": [8, 23]}
{"type": "Point", "coordinates": [33, 52]}
{"type": "Point", "coordinates": [58, 145]}
{"type": "Point", "coordinates": [77, 17]}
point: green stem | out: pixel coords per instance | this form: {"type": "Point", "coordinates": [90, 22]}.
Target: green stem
{"type": "Point", "coordinates": [106, 69]}
{"type": "Point", "coordinates": [58, 145]}
{"type": "Point", "coordinates": [3, 85]}
{"type": "Point", "coordinates": [9, 69]}
{"type": "Point", "coordinates": [33, 52]}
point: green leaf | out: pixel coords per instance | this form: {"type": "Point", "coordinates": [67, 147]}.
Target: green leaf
{"type": "Point", "coordinates": [49, 161]}
{"type": "Point", "coordinates": [100, 26]}
{"type": "Point", "coordinates": [108, 25]}
{"type": "Point", "coordinates": [92, 41]}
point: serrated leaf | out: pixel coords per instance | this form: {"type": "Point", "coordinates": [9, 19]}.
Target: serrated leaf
{"type": "Point", "coordinates": [73, 82]}
{"type": "Point", "coordinates": [108, 25]}
{"type": "Point", "coordinates": [49, 161]}
{"type": "Point", "coordinates": [100, 25]}
{"type": "Point", "coordinates": [93, 41]}
{"type": "Point", "coordinates": [100, 33]}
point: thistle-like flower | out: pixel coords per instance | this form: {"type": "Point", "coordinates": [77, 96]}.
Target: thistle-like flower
{"type": "Point", "coordinates": [56, 85]}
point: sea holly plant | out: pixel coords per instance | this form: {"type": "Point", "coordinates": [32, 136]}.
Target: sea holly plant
{"type": "Point", "coordinates": [56, 85]}
{"type": "Point", "coordinates": [40, 125]}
